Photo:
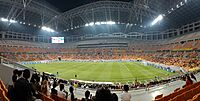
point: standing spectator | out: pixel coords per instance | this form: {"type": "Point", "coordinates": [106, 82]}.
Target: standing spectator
{"type": "Point", "coordinates": [45, 87]}
{"type": "Point", "coordinates": [87, 94]}
{"type": "Point", "coordinates": [53, 90]}
{"type": "Point", "coordinates": [11, 87]}
{"type": "Point", "coordinates": [103, 94]}
{"type": "Point", "coordinates": [193, 77]}
{"type": "Point", "coordinates": [125, 95]}
{"type": "Point", "coordinates": [22, 89]}
{"type": "Point", "coordinates": [188, 81]}
{"type": "Point", "coordinates": [114, 97]}
{"type": "Point", "coordinates": [71, 96]}
{"type": "Point", "coordinates": [15, 76]}
{"type": "Point", "coordinates": [62, 92]}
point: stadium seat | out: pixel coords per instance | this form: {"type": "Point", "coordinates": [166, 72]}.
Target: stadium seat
{"type": "Point", "coordinates": [159, 96]}
{"type": "Point", "coordinates": [3, 95]}
{"type": "Point", "coordinates": [3, 87]}
{"type": "Point", "coordinates": [196, 97]}
{"type": "Point", "coordinates": [176, 89]}
{"type": "Point", "coordinates": [58, 98]}
{"type": "Point", "coordinates": [183, 94]}
{"type": "Point", "coordinates": [44, 97]}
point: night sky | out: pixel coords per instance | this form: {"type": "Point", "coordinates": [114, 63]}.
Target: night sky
{"type": "Point", "coordinates": [64, 5]}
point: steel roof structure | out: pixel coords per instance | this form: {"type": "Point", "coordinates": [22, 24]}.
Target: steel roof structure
{"type": "Point", "coordinates": [137, 12]}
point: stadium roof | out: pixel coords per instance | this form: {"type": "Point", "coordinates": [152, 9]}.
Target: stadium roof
{"type": "Point", "coordinates": [65, 5]}
{"type": "Point", "coordinates": [72, 14]}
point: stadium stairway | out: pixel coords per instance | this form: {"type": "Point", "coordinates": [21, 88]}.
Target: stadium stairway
{"type": "Point", "coordinates": [6, 74]}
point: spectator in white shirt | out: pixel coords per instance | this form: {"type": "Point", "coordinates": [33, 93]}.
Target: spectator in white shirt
{"type": "Point", "coordinates": [125, 95]}
{"type": "Point", "coordinates": [62, 92]}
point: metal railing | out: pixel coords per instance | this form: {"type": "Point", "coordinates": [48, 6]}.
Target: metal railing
{"type": "Point", "coordinates": [13, 64]}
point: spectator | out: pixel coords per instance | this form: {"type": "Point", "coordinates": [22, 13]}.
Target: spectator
{"type": "Point", "coordinates": [103, 95]}
{"type": "Point", "coordinates": [125, 95]}
{"type": "Point", "coordinates": [62, 92]}
{"type": "Point", "coordinates": [193, 77]}
{"type": "Point", "coordinates": [15, 76]}
{"type": "Point", "coordinates": [114, 97]}
{"type": "Point", "coordinates": [71, 96]}
{"type": "Point", "coordinates": [11, 87]}
{"type": "Point", "coordinates": [87, 94]}
{"type": "Point", "coordinates": [53, 90]}
{"type": "Point", "coordinates": [35, 79]}
{"type": "Point", "coordinates": [22, 89]}
{"type": "Point", "coordinates": [188, 81]}
{"type": "Point", "coordinates": [19, 73]}
{"type": "Point", "coordinates": [45, 87]}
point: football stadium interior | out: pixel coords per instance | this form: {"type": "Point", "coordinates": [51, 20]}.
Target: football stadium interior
{"type": "Point", "coordinates": [99, 50]}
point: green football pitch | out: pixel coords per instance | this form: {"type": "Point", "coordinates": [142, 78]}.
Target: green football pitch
{"type": "Point", "coordinates": [102, 71]}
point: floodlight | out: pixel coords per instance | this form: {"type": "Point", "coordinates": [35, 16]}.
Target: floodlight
{"type": "Point", "coordinates": [177, 6]}
{"type": "Point", "coordinates": [4, 20]}
{"type": "Point", "coordinates": [181, 4]}
{"type": "Point", "coordinates": [97, 23]}
{"type": "Point", "coordinates": [103, 22]}
{"type": "Point", "coordinates": [47, 29]}
{"type": "Point", "coordinates": [111, 23]}
{"type": "Point", "coordinates": [91, 23]}
{"type": "Point", "coordinates": [86, 24]}
{"type": "Point", "coordinates": [12, 21]}
{"type": "Point", "coordinates": [159, 18]}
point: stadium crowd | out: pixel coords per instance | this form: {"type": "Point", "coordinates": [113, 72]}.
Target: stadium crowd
{"type": "Point", "coordinates": [44, 85]}
{"type": "Point", "coordinates": [41, 86]}
{"type": "Point", "coordinates": [176, 52]}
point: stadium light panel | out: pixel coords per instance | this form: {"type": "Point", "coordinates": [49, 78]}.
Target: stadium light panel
{"type": "Point", "coordinates": [185, 1]}
{"type": "Point", "coordinates": [177, 6]}
{"type": "Point", "coordinates": [91, 23]}
{"type": "Point", "coordinates": [12, 21]}
{"type": "Point", "coordinates": [181, 3]}
{"type": "Point", "coordinates": [86, 24]}
{"type": "Point", "coordinates": [111, 23]}
{"type": "Point", "coordinates": [103, 23]}
{"type": "Point", "coordinates": [4, 20]}
{"type": "Point", "coordinates": [47, 29]}
{"type": "Point", "coordinates": [97, 23]}
{"type": "Point", "coordinates": [159, 18]}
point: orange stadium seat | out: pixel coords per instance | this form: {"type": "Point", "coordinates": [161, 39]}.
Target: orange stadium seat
{"type": "Point", "coordinates": [3, 95]}
{"type": "Point", "coordinates": [3, 87]}
{"type": "Point", "coordinates": [183, 94]}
